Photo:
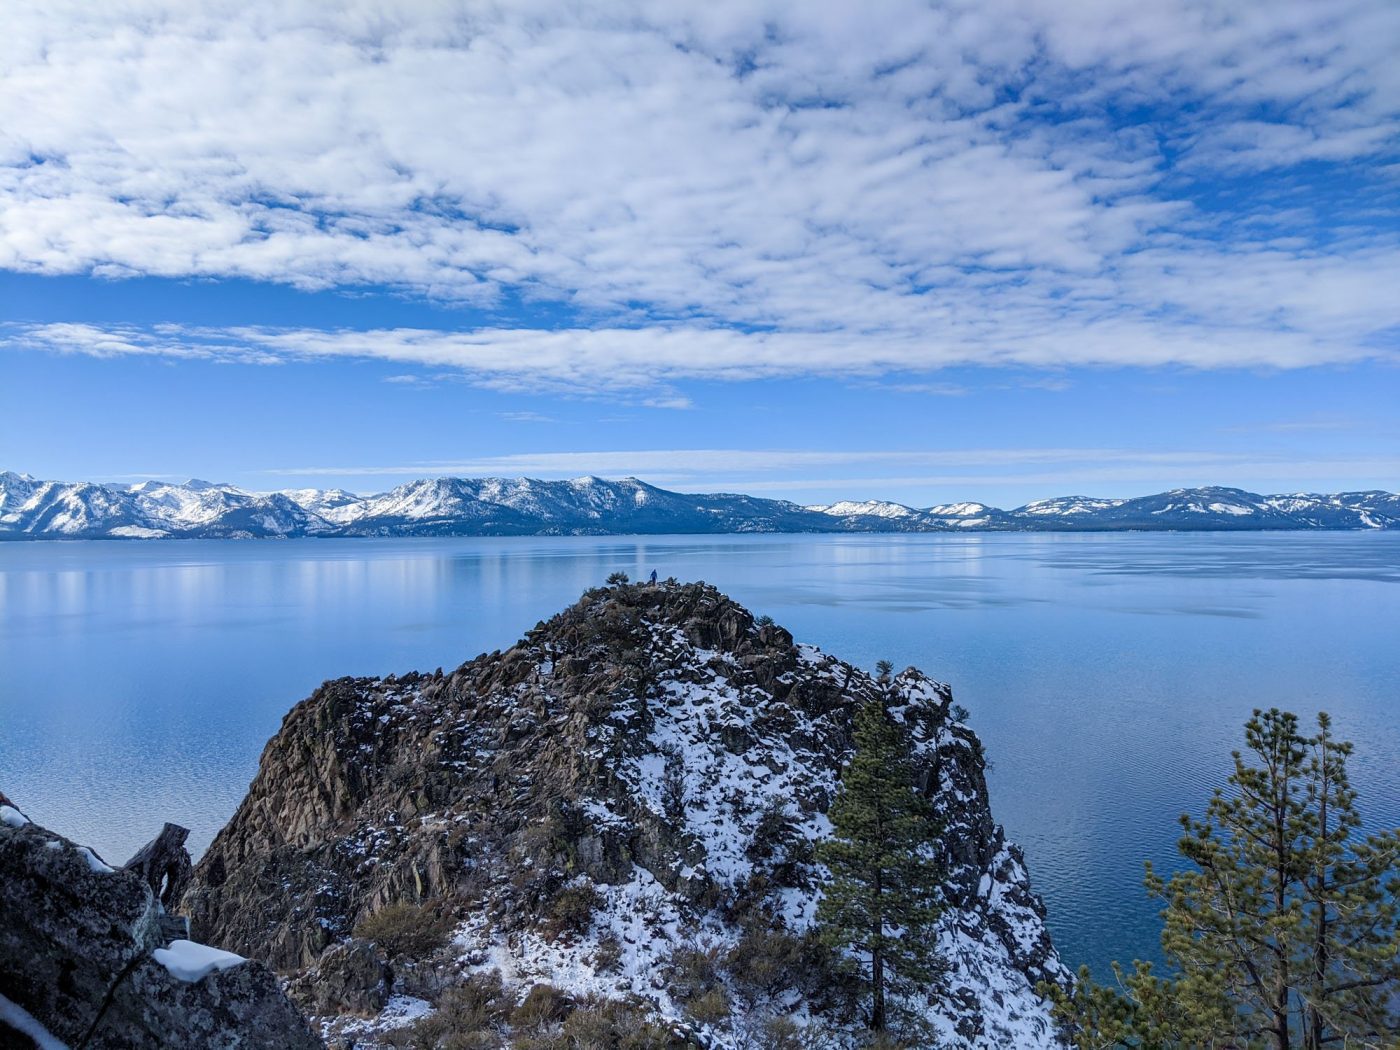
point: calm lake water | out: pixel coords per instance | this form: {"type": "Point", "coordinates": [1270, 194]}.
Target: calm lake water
{"type": "Point", "coordinates": [1109, 675]}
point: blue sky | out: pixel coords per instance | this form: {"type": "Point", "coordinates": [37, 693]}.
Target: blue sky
{"type": "Point", "coordinates": [922, 252]}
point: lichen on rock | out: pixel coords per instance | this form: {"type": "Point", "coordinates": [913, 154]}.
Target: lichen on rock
{"type": "Point", "coordinates": [81, 947]}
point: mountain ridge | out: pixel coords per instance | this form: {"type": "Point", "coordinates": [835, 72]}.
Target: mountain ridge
{"type": "Point", "coordinates": [449, 506]}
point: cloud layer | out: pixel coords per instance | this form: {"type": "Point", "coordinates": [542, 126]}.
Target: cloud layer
{"type": "Point", "coordinates": [856, 473]}
{"type": "Point", "coordinates": [729, 190]}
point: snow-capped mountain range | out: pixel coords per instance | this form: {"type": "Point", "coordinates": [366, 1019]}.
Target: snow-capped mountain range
{"type": "Point", "coordinates": [34, 509]}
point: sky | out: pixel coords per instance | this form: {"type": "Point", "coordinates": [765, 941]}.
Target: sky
{"type": "Point", "coordinates": [925, 252]}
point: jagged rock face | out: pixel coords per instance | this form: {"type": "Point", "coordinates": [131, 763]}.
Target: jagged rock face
{"type": "Point", "coordinates": [653, 744]}
{"type": "Point", "coordinates": [80, 950]}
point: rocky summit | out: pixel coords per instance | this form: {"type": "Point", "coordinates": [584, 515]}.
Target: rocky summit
{"type": "Point", "coordinates": [603, 836]}
{"type": "Point", "coordinates": [90, 960]}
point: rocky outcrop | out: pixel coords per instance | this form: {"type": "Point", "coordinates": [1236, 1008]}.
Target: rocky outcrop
{"type": "Point", "coordinates": [640, 777]}
{"type": "Point", "coordinates": [86, 956]}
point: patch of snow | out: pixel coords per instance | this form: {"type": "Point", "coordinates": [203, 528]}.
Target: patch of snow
{"type": "Point", "coordinates": [403, 1010]}
{"type": "Point", "coordinates": [191, 961]}
{"type": "Point", "coordinates": [1012, 1014]}
{"type": "Point", "coordinates": [94, 862]}
{"type": "Point", "coordinates": [399, 1012]}
{"type": "Point", "coordinates": [638, 919]}
{"type": "Point", "coordinates": [1297, 504]}
{"type": "Point", "coordinates": [1063, 506]}
{"type": "Point", "coordinates": [726, 791]}
{"type": "Point", "coordinates": [12, 818]}
{"type": "Point", "coordinates": [21, 1020]}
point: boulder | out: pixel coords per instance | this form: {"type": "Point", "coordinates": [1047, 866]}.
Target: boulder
{"type": "Point", "coordinates": [229, 1009]}
{"type": "Point", "coordinates": [81, 952]}
{"type": "Point", "coordinates": [349, 978]}
{"type": "Point", "coordinates": [71, 928]}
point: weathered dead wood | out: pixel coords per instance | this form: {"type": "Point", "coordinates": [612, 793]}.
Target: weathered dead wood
{"type": "Point", "coordinates": [165, 864]}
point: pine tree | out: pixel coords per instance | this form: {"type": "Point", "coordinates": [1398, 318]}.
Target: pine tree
{"type": "Point", "coordinates": [882, 897]}
{"type": "Point", "coordinates": [1285, 929]}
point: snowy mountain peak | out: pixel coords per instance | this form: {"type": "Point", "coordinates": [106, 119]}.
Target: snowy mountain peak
{"type": "Point", "coordinates": [872, 507]}
{"type": "Point", "coordinates": [959, 510]}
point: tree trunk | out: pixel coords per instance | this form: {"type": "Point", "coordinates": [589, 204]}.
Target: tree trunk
{"type": "Point", "coordinates": [1282, 874]}
{"type": "Point", "coordinates": [877, 957]}
{"type": "Point", "coordinates": [1312, 1017]}
{"type": "Point", "coordinates": [877, 986]}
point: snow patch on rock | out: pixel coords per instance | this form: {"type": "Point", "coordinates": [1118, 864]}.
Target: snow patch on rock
{"type": "Point", "coordinates": [21, 1020]}
{"type": "Point", "coordinates": [95, 863]}
{"type": "Point", "coordinates": [191, 961]}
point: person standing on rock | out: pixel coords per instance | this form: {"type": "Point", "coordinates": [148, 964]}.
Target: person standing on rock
{"type": "Point", "coordinates": [653, 577]}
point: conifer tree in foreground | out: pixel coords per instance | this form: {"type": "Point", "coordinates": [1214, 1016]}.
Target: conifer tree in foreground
{"type": "Point", "coordinates": [1285, 930]}
{"type": "Point", "coordinates": [882, 898]}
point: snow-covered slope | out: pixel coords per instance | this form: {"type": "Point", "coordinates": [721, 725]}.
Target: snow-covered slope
{"type": "Point", "coordinates": [54, 509]}
{"type": "Point", "coordinates": [1068, 506]}
{"type": "Point", "coordinates": [1232, 509]}
{"type": "Point", "coordinates": [968, 516]}
{"type": "Point", "coordinates": [15, 490]}
{"type": "Point", "coordinates": [872, 507]}
{"type": "Point", "coordinates": [333, 505]}
{"type": "Point", "coordinates": [31, 509]}
{"type": "Point", "coordinates": [34, 509]}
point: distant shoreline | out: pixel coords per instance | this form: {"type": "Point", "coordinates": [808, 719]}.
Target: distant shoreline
{"type": "Point", "coordinates": [853, 533]}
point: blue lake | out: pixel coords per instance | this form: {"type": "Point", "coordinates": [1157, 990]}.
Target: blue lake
{"type": "Point", "coordinates": [1109, 675]}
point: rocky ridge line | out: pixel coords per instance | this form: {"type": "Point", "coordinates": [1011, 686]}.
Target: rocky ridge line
{"type": "Point", "coordinates": [655, 759]}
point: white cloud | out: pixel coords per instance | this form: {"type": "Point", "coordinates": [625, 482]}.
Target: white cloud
{"type": "Point", "coordinates": [843, 473]}
{"type": "Point", "coordinates": [618, 360]}
{"type": "Point", "coordinates": [726, 189]}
